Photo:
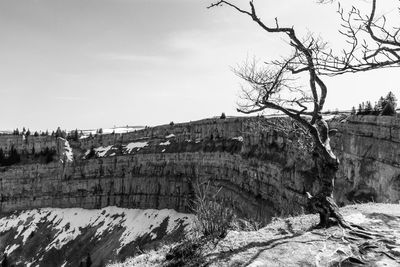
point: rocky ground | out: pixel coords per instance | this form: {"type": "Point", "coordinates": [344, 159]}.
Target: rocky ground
{"type": "Point", "coordinates": [295, 242]}
{"type": "Point", "coordinates": [113, 236]}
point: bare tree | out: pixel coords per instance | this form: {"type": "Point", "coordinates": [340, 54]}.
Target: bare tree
{"type": "Point", "coordinates": [272, 86]}
{"type": "Point", "coordinates": [373, 43]}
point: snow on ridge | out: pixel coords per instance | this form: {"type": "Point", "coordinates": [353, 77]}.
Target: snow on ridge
{"type": "Point", "coordinates": [116, 130]}
{"type": "Point", "coordinates": [69, 222]}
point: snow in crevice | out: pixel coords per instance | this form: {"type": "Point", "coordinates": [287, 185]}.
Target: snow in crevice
{"type": "Point", "coordinates": [67, 153]}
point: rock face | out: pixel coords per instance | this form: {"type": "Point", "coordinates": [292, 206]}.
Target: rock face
{"type": "Point", "coordinates": [369, 150]}
{"type": "Point", "coordinates": [255, 167]}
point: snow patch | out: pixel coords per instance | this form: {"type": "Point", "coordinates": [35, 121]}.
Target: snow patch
{"type": "Point", "coordinates": [138, 145]}
{"type": "Point", "coordinates": [359, 218]}
{"type": "Point", "coordinates": [239, 138]}
{"type": "Point", "coordinates": [10, 249]}
{"type": "Point", "coordinates": [167, 143]}
{"type": "Point", "coordinates": [170, 136]}
{"type": "Point", "coordinates": [102, 151]}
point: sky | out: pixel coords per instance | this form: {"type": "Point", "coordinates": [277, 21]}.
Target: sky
{"type": "Point", "coordinates": [102, 63]}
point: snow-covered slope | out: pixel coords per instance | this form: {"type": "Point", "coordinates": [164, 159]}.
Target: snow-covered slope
{"type": "Point", "coordinates": [65, 237]}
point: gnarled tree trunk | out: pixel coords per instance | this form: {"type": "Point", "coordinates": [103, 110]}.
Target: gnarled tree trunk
{"type": "Point", "coordinates": [327, 165]}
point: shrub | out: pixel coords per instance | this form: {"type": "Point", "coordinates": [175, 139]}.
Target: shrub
{"type": "Point", "coordinates": [214, 219]}
{"type": "Point", "coordinates": [187, 253]}
{"type": "Point", "coordinates": [223, 116]}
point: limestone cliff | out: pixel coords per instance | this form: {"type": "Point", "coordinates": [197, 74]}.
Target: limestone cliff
{"type": "Point", "coordinates": [261, 171]}
{"type": "Point", "coordinates": [369, 150]}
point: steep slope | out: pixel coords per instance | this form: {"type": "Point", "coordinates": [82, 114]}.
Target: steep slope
{"type": "Point", "coordinates": [65, 237]}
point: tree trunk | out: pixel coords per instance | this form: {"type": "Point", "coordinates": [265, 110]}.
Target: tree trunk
{"type": "Point", "coordinates": [323, 202]}
{"type": "Point", "coordinates": [327, 165]}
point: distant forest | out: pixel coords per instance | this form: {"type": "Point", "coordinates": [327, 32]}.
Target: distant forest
{"type": "Point", "coordinates": [385, 106]}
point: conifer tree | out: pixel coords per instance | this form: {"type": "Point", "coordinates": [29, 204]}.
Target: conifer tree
{"type": "Point", "coordinates": [2, 157]}
{"type": "Point", "coordinates": [88, 261]}
{"type": "Point", "coordinates": [388, 110]}
{"type": "Point", "coordinates": [4, 262]}
{"type": "Point", "coordinates": [391, 98]}
{"type": "Point", "coordinates": [360, 109]}
{"type": "Point", "coordinates": [368, 107]}
{"type": "Point", "coordinates": [76, 135]}
{"type": "Point", "coordinates": [381, 103]}
{"type": "Point", "coordinates": [58, 132]}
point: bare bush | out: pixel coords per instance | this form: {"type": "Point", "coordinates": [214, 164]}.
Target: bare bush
{"type": "Point", "coordinates": [214, 219]}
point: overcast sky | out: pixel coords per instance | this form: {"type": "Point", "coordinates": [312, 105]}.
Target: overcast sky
{"type": "Point", "coordinates": [99, 63]}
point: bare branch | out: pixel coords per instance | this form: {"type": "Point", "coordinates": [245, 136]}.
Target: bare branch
{"type": "Point", "coordinates": [372, 44]}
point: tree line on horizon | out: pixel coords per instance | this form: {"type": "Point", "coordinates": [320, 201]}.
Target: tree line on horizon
{"type": "Point", "coordinates": [385, 106]}
{"type": "Point", "coordinates": [72, 135]}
